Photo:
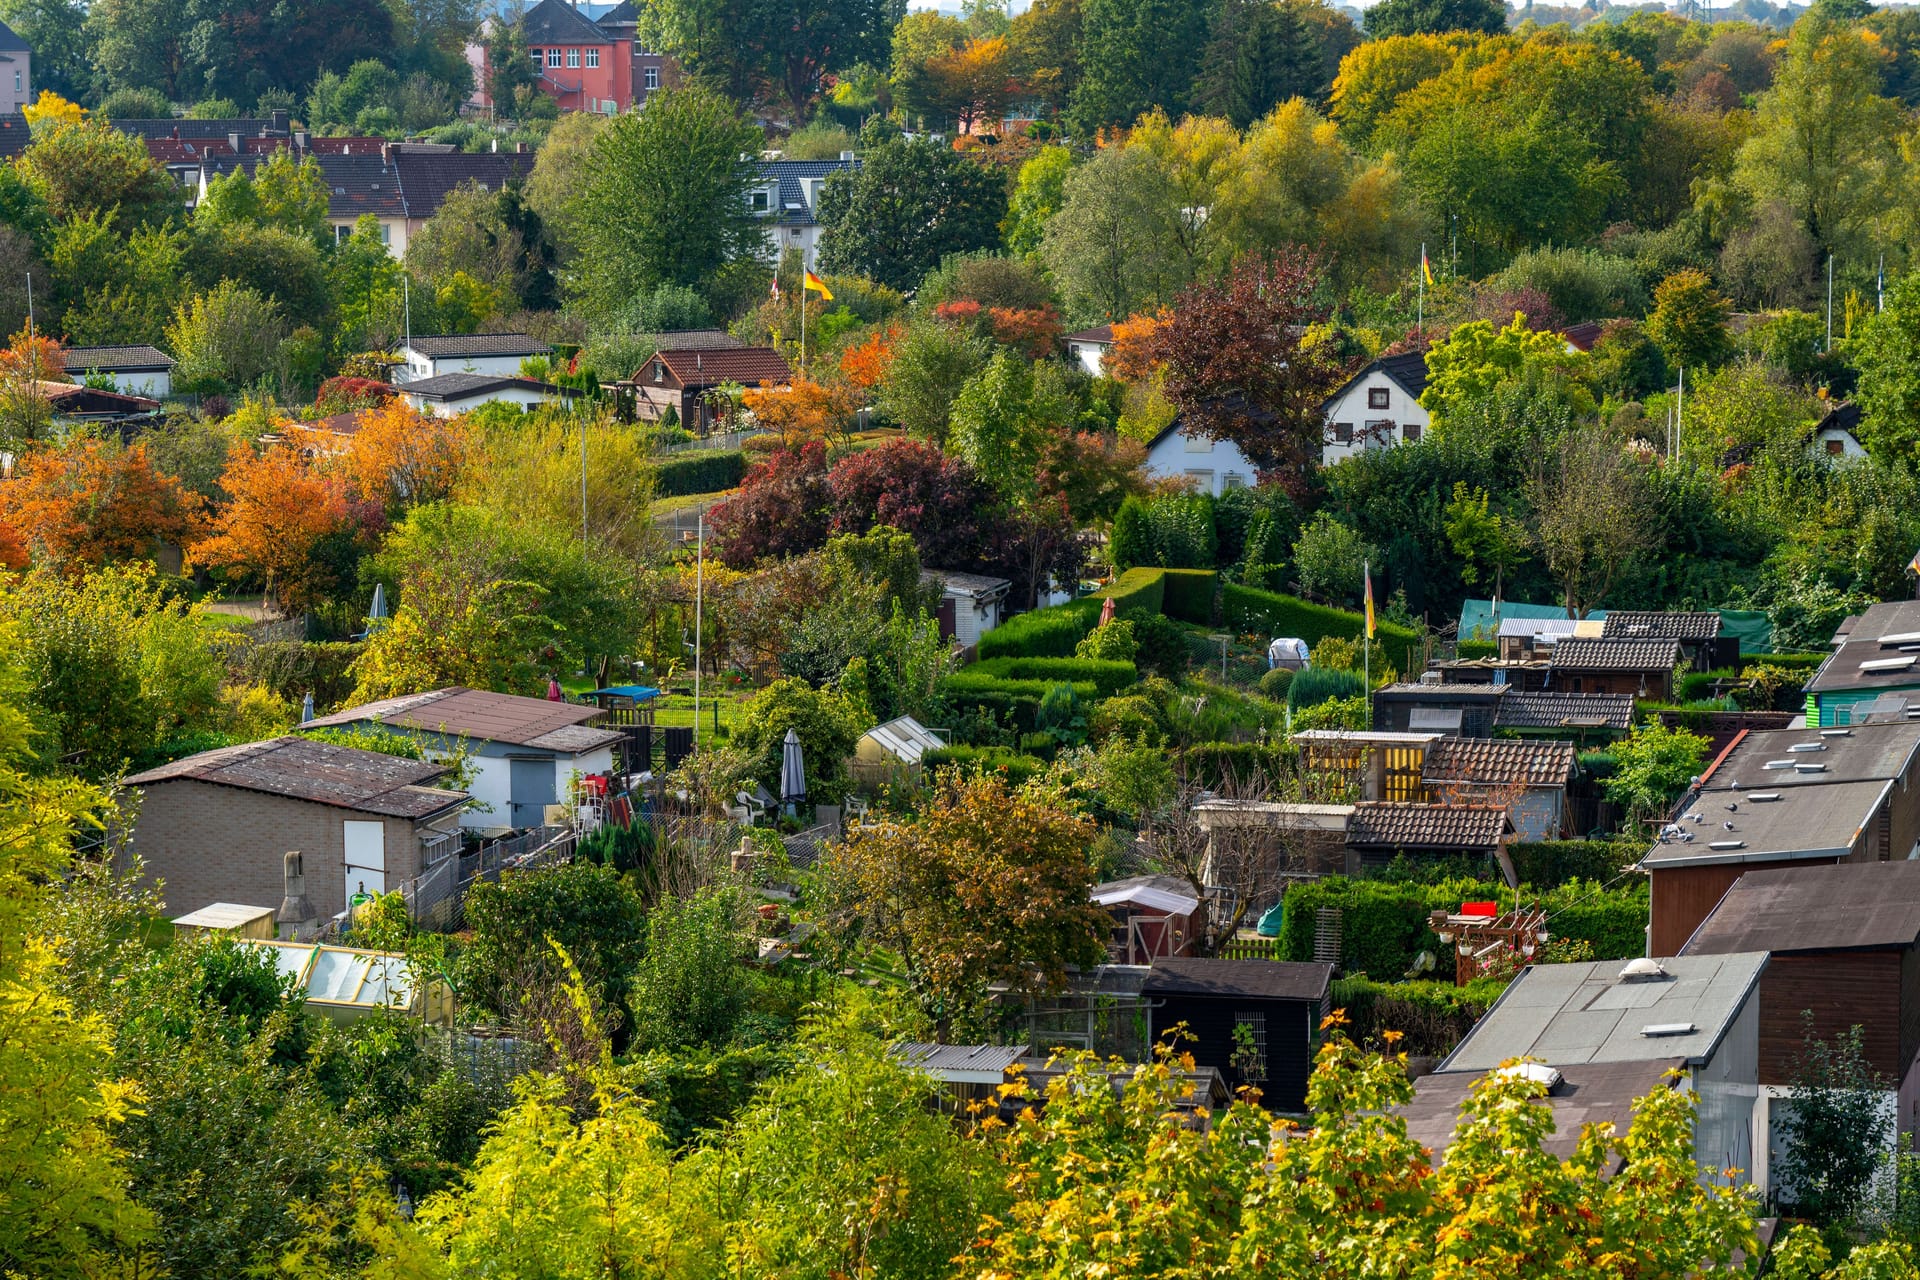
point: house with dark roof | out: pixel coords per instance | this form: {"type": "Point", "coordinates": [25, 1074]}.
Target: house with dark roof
{"type": "Point", "coordinates": [1088, 348]}
{"type": "Point", "coordinates": [681, 381]}
{"type": "Point", "coordinates": [1557, 713]}
{"type": "Point", "coordinates": [1837, 435]}
{"type": "Point", "coordinates": [16, 71]}
{"type": "Point", "coordinates": [522, 751]}
{"type": "Point", "coordinates": [358, 183]}
{"type": "Point", "coordinates": [1640, 668]}
{"type": "Point", "coordinates": [431, 355]}
{"type": "Point", "coordinates": [1207, 466]}
{"type": "Point", "coordinates": [786, 198]}
{"type": "Point", "coordinates": [1698, 635]}
{"type": "Point", "coordinates": [1381, 830]}
{"type": "Point", "coordinates": [586, 57]}
{"type": "Point", "coordinates": [1377, 408]}
{"type": "Point", "coordinates": [1874, 667]}
{"type": "Point", "coordinates": [1276, 1006]}
{"type": "Point", "coordinates": [1528, 776]}
{"type": "Point", "coordinates": [451, 394]}
{"type": "Point", "coordinates": [427, 177]}
{"type": "Point", "coordinates": [693, 340]}
{"type": "Point", "coordinates": [135, 370]}
{"type": "Point", "coordinates": [217, 826]}
{"type": "Point", "coordinates": [1437, 706]}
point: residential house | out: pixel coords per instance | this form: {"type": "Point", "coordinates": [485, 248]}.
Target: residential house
{"type": "Point", "coordinates": [137, 370]}
{"type": "Point", "coordinates": [1275, 1006]}
{"type": "Point", "coordinates": [1377, 408]}
{"type": "Point", "coordinates": [523, 753]}
{"type": "Point", "coordinates": [586, 57]}
{"type": "Point", "coordinates": [1436, 706]}
{"type": "Point", "coordinates": [1558, 713]}
{"type": "Point", "coordinates": [357, 184]}
{"type": "Point", "coordinates": [424, 356]}
{"type": "Point", "coordinates": [786, 198]}
{"type": "Point", "coordinates": [1697, 634]}
{"type": "Point", "coordinates": [452, 394]}
{"type": "Point", "coordinates": [1209, 466]}
{"type": "Point", "coordinates": [1578, 1094]}
{"type": "Point", "coordinates": [427, 177]}
{"type": "Point", "coordinates": [217, 826]}
{"type": "Point", "coordinates": [1153, 917]}
{"type": "Point", "coordinates": [1702, 1010]}
{"type": "Point", "coordinates": [1088, 348]}
{"type": "Point", "coordinates": [1845, 943]}
{"type": "Point", "coordinates": [1382, 830]}
{"type": "Point", "coordinates": [1875, 654]}
{"type": "Point", "coordinates": [1642, 668]}
{"type": "Point", "coordinates": [16, 71]}
{"type": "Point", "coordinates": [684, 381]}
{"type": "Point", "coordinates": [1528, 776]}
{"type": "Point", "coordinates": [971, 604]}
{"type": "Point", "coordinates": [1837, 436]}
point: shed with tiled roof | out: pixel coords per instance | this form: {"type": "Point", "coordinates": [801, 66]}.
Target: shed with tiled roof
{"type": "Point", "coordinates": [135, 370]}
{"type": "Point", "coordinates": [1528, 776]}
{"type": "Point", "coordinates": [1642, 668]}
{"type": "Point", "coordinates": [1380, 830]}
{"type": "Point", "coordinates": [682, 380]}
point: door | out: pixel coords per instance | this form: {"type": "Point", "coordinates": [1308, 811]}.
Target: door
{"type": "Point", "coordinates": [529, 791]}
{"type": "Point", "coordinates": [366, 844]}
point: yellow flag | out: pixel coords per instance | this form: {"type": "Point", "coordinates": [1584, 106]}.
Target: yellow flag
{"type": "Point", "coordinates": [1426, 268]}
{"type": "Point", "coordinates": [814, 283]}
{"type": "Point", "coordinates": [1367, 572]}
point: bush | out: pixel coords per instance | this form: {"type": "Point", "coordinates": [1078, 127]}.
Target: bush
{"type": "Point", "coordinates": [294, 668]}
{"type": "Point", "coordinates": [1110, 642]}
{"type": "Point", "coordinates": [1323, 684]}
{"type": "Point", "coordinates": [1219, 764]}
{"type": "Point", "coordinates": [1163, 647]}
{"type": "Point", "coordinates": [1044, 633]}
{"type": "Point", "coordinates": [1106, 677]}
{"type": "Point", "coordinates": [1433, 1017]}
{"type": "Point", "coordinates": [690, 987]}
{"type": "Point", "coordinates": [1272, 614]}
{"type": "Point", "coordinates": [701, 471]}
{"type": "Point", "coordinates": [1062, 715]}
{"type": "Point", "coordinates": [1274, 684]}
{"type": "Point", "coordinates": [1017, 766]}
{"type": "Point", "coordinates": [1137, 591]}
{"type": "Point", "coordinates": [1132, 717]}
{"type": "Point", "coordinates": [1549, 864]}
{"type": "Point", "coordinates": [1188, 595]}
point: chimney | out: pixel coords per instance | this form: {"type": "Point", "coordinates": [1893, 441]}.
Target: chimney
{"type": "Point", "coordinates": [519, 148]}
{"type": "Point", "coordinates": [296, 912]}
{"type": "Point", "coordinates": [280, 120]}
{"type": "Point", "coordinates": [300, 140]}
{"type": "Point", "coordinates": [233, 140]}
{"type": "Point", "coordinates": [847, 156]}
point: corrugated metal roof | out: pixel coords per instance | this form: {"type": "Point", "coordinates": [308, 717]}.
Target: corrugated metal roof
{"type": "Point", "coordinates": [1579, 1013]}
{"type": "Point", "coordinates": [322, 772]}
{"type": "Point", "coordinates": [1158, 893]}
{"type": "Point", "coordinates": [1265, 979]}
{"type": "Point", "coordinates": [960, 1063]}
{"type": "Point", "coordinates": [1387, 824]}
{"type": "Point", "coordinates": [478, 714]}
{"type": "Point", "coordinates": [1844, 907]}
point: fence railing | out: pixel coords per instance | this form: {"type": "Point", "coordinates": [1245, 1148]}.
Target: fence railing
{"type": "Point", "coordinates": [720, 440]}
{"type": "Point", "coordinates": [437, 897]}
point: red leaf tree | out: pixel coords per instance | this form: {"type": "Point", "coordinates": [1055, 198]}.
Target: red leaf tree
{"type": "Point", "coordinates": [781, 509]}
{"type": "Point", "coordinates": [952, 514]}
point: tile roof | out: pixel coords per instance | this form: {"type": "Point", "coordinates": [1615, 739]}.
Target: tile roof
{"type": "Point", "coordinates": [1579, 1013]}
{"type": "Point", "coordinates": [694, 340]}
{"type": "Point", "coordinates": [1582, 336]}
{"type": "Point", "coordinates": [1845, 907]}
{"type": "Point", "coordinates": [84, 359]}
{"type": "Point", "coordinates": [322, 772]}
{"type": "Point", "coordinates": [169, 127]}
{"type": "Point", "coordinates": [1538, 762]}
{"type": "Point", "coordinates": [794, 207]}
{"type": "Point", "coordinates": [14, 135]}
{"type": "Point", "coordinates": [443, 346]}
{"type": "Point", "coordinates": [1636, 625]}
{"type": "Point", "coordinates": [1099, 333]}
{"type": "Point", "coordinates": [1554, 710]}
{"type": "Point", "coordinates": [1589, 1093]}
{"type": "Point", "coordinates": [12, 43]}
{"type": "Point", "coordinates": [478, 714]}
{"type": "Point", "coordinates": [1390, 824]}
{"type": "Point", "coordinates": [1615, 655]}
{"type": "Point", "coordinates": [557, 22]}
{"type": "Point", "coordinates": [460, 386]}
{"type": "Point", "coordinates": [359, 184]}
{"type": "Point", "coordinates": [748, 366]}
{"type": "Point", "coordinates": [427, 178]}
{"type": "Point", "coordinates": [1265, 979]}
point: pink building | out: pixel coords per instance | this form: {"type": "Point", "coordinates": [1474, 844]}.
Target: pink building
{"type": "Point", "coordinates": [587, 57]}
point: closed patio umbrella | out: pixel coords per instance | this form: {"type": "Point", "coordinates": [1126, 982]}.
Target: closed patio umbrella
{"type": "Point", "coordinates": [306, 708]}
{"type": "Point", "coordinates": [1107, 612]}
{"type": "Point", "coordinates": [379, 607]}
{"type": "Point", "coordinates": [793, 772]}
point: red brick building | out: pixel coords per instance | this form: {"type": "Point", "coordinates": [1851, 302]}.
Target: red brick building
{"type": "Point", "coordinates": [586, 57]}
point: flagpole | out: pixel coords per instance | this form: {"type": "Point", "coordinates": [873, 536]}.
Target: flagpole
{"type": "Point", "coordinates": [803, 316]}
{"type": "Point", "coordinates": [1366, 577]}
{"type": "Point", "coordinates": [1420, 308]}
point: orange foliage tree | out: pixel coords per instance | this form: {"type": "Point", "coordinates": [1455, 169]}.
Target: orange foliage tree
{"type": "Point", "coordinates": [803, 412]}
{"type": "Point", "coordinates": [865, 364]}
{"type": "Point", "coordinates": [27, 363]}
{"type": "Point", "coordinates": [400, 457]}
{"type": "Point", "coordinates": [13, 551]}
{"type": "Point", "coordinates": [286, 516]}
{"type": "Point", "coordinates": [94, 501]}
{"type": "Point", "coordinates": [1131, 358]}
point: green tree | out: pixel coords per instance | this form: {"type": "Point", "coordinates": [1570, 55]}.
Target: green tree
{"type": "Point", "coordinates": [90, 167]}
{"type": "Point", "coordinates": [1259, 54]}
{"type": "Point", "coordinates": [931, 364]}
{"type": "Point", "coordinates": [1038, 193]}
{"type": "Point", "coordinates": [1107, 247]}
{"type": "Point", "coordinates": [1835, 1129]}
{"type": "Point", "coordinates": [1045, 38]}
{"type": "Point", "coordinates": [1593, 513]}
{"type": "Point", "coordinates": [1434, 17]}
{"type": "Point", "coordinates": [1476, 360]}
{"type": "Point", "coordinates": [1329, 557]}
{"type": "Point", "coordinates": [690, 987]}
{"type": "Point", "coordinates": [368, 293]}
{"type": "Point", "coordinates": [650, 170]}
{"type": "Point", "coordinates": [1654, 765]}
{"type": "Point", "coordinates": [486, 236]}
{"type": "Point", "coordinates": [1887, 354]}
{"type": "Point", "coordinates": [1689, 321]}
{"type": "Point", "coordinates": [827, 721]}
{"type": "Point", "coordinates": [1484, 538]}
{"type": "Point", "coordinates": [908, 206]}
{"type": "Point", "coordinates": [994, 427]}
{"type": "Point", "coordinates": [1136, 56]}
{"type": "Point", "coordinates": [225, 339]}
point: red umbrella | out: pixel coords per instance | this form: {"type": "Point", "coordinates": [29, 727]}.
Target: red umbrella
{"type": "Point", "coordinates": [1106, 612]}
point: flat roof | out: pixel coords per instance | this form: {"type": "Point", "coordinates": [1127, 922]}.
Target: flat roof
{"type": "Point", "coordinates": [959, 1063]}
{"type": "Point", "coordinates": [1850, 906]}
{"type": "Point", "coordinates": [1881, 649]}
{"type": "Point", "coordinates": [222, 915]}
{"type": "Point", "coordinates": [1581, 1013]}
{"type": "Point", "coordinates": [1260, 979]}
{"type": "Point", "coordinates": [1748, 826]}
{"type": "Point", "coordinates": [483, 716]}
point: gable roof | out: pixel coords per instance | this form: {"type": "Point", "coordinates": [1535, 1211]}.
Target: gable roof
{"type": "Point", "coordinates": [1627, 624]}
{"type": "Point", "coordinates": [10, 42]}
{"type": "Point", "coordinates": [1550, 709]}
{"type": "Point", "coordinates": [1265, 979]}
{"type": "Point", "coordinates": [169, 127]}
{"type": "Point", "coordinates": [1393, 824]}
{"type": "Point", "coordinates": [1170, 894]}
{"type": "Point", "coordinates": [794, 207]}
{"type": "Point", "coordinates": [450, 346]}
{"type": "Point", "coordinates": [556, 22]}
{"type": "Point", "coordinates": [694, 340]}
{"type": "Point", "coordinates": [1534, 762]}
{"type": "Point", "coordinates": [748, 366]}
{"type": "Point", "coordinates": [1583, 335]}
{"type": "Point", "coordinates": [1588, 1093]}
{"type": "Point", "coordinates": [1408, 370]}
{"type": "Point", "coordinates": [462, 386]}
{"type": "Point", "coordinates": [358, 184]}
{"type": "Point", "coordinates": [135, 359]}
{"type": "Point", "coordinates": [426, 178]}
{"type": "Point", "coordinates": [483, 716]}
{"type": "Point", "coordinates": [1573, 654]}
{"type": "Point", "coordinates": [1101, 333]}
{"type": "Point", "coordinates": [322, 772]}
{"type": "Point", "coordinates": [1850, 906]}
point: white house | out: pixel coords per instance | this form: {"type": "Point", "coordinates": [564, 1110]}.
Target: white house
{"type": "Point", "coordinates": [1378, 407]}
{"type": "Point", "coordinates": [786, 197]}
{"type": "Point", "coordinates": [452, 394]}
{"type": "Point", "coordinates": [136, 371]}
{"type": "Point", "coordinates": [423, 357]}
{"type": "Point", "coordinates": [1211, 466]}
{"type": "Point", "coordinates": [16, 72]}
{"type": "Point", "coordinates": [523, 752]}
{"type": "Point", "coordinates": [1088, 348]}
{"type": "Point", "coordinates": [1838, 434]}
{"type": "Point", "coordinates": [971, 604]}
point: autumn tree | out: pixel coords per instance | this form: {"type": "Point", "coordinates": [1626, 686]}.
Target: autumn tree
{"type": "Point", "coordinates": [973, 84]}
{"type": "Point", "coordinates": [911, 485]}
{"type": "Point", "coordinates": [1593, 515]}
{"type": "Point", "coordinates": [781, 508]}
{"type": "Point", "coordinates": [289, 523]}
{"type": "Point", "coordinates": [864, 364]}
{"type": "Point", "coordinates": [806, 411]}
{"type": "Point", "coordinates": [88, 166]}
{"type": "Point", "coordinates": [94, 501]}
{"type": "Point", "coordinates": [400, 457]}
{"type": "Point", "coordinates": [1237, 369]}
{"type": "Point", "coordinates": [28, 363]}
{"type": "Point", "coordinates": [1689, 320]}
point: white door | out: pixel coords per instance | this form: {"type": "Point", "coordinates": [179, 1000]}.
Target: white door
{"type": "Point", "coordinates": [366, 858]}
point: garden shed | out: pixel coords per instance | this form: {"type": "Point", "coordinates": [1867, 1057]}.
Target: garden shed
{"type": "Point", "coordinates": [1274, 1006]}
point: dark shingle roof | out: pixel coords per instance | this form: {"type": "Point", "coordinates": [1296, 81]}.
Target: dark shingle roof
{"type": "Point", "coordinates": [445, 346]}
{"type": "Point", "coordinates": [361, 184]}
{"type": "Point", "coordinates": [556, 22]}
{"type": "Point", "coordinates": [302, 769]}
{"type": "Point", "coordinates": [1266, 979]}
{"type": "Point", "coordinates": [168, 127]}
{"type": "Point", "coordinates": [1099, 333]}
{"type": "Point", "coordinates": [1499, 761]}
{"type": "Point", "coordinates": [14, 135]}
{"type": "Point", "coordinates": [1844, 907]}
{"type": "Point", "coordinates": [480, 715]}
{"type": "Point", "coordinates": [748, 366]}
{"type": "Point", "coordinates": [108, 359]}
{"type": "Point", "coordinates": [1615, 655]}
{"type": "Point", "coordinates": [459, 386]}
{"type": "Point", "coordinates": [694, 340]}
{"type": "Point", "coordinates": [795, 209]}
{"type": "Point", "coordinates": [1633, 625]}
{"type": "Point", "coordinates": [11, 42]}
{"type": "Point", "coordinates": [427, 178]}
{"type": "Point", "coordinates": [1553, 710]}
{"type": "Point", "coordinates": [1395, 825]}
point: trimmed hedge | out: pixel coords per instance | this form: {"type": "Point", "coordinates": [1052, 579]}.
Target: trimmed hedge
{"type": "Point", "coordinates": [1018, 766]}
{"type": "Point", "coordinates": [1270, 613]}
{"type": "Point", "coordinates": [1016, 711]}
{"type": "Point", "coordinates": [1107, 678]}
{"type": "Point", "coordinates": [1216, 764]}
{"type": "Point", "coordinates": [1044, 633]}
{"type": "Point", "coordinates": [1792, 661]}
{"type": "Point", "coordinates": [701, 471]}
{"type": "Point", "coordinates": [1433, 1017]}
{"type": "Point", "coordinates": [1188, 595]}
{"type": "Point", "coordinates": [1135, 591]}
{"type": "Point", "coordinates": [295, 668]}
{"type": "Point", "coordinates": [1549, 864]}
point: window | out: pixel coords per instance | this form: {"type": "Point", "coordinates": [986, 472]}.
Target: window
{"type": "Point", "coordinates": [1834, 447]}
{"type": "Point", "coordinates": [593, 58]}
{"type": "Point", "coordinates": [1376, 432]}
{"type": "Point", "coordinates": [553, 58]}
{"type": "Point", "coordinates": [1234, 480]}
{"type": "Point", "coordinates": [653, 78]}
{"type": "Point", "coordinates": [538, 60]}
{"type": "Point", "coordinates": [761, 201]}
{"type": "Point", "coordinates": [1343, 433]}
{"type": "Point", "coordinates": [1250, 1045]}
{"type": "Point", "coordinates": [573, 57]}
{"type": "Point", "coordinates": [386, 233]}
{"type": "Point", "coordinates": [1195, 444]}
{"type": "Point", "coordinates": [659, 370]}
{"type": "Point", "coordinates": [16, 83]}
{"type": "Point", "coordinates": [1410, 432]}
{"type": "Point", "coordinates": [1377, 398]}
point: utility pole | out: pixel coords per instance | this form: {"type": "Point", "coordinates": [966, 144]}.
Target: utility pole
{"type": "Point", "coordinates": [699, 599]}
{"type": "Point", "coordinates": [1829, 302]}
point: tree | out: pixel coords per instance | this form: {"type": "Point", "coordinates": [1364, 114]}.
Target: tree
{"type": "Point", "coordinates": [1476, 361]}
{"type": "Point", "coordinates": [1592, 516]}
{"type": "Point", "coordinates": [286, 524]}
{"type": "Point", "coordinates": [995, 429]}
{"type": "Point", "coordinates": [687, 151]}
{"type": "Point", "coordinates": [1135, 57]}
{"type": "Point", "coordinates": [1689, 321]}
{"type": "Point", "coordinates": [973, 84]}
{"type": "Point", "coordinates": [911, 485]}
{"type": "Point", "coordinates": [828, 722]}
{"type": "Point", "coordinates": [400, 457]}
{"type": "Point", "coordinates": [90, 167]}
{"type": "Point", "coordinates": [919, 39]}
{"type": "Point", "coordinates": [281, 192]}
{"type": "Point", "coordinates": [927, 367]}
{"type": "Point", "coordinates": [690, 986]}
{"type": "Point", "coordinates": [1046, 48]}
{"type": "Point", "coordinates": [1259, 54]}
{"type": "Point", "coordinates": [988, 886]}
{"type": "Point", "coordinates": [225, 340]}
{"type": "Point", "coordinates": [1107, 245]}
{"type": "Point", "coordinates": [909, 205]}
{"type": "Point", "coordinates": [1434, 17]}
{"type": "Point", "coordinates": [805, 40]}
{"type": "Point", "coordinates": [1486, 538]}
{"type": "Point", "coordinates": [28, 364]}
{"type": "Point", "coordinates": [1039, 192]}
{"type": "Point", "coordinates": [91, 502]}
{"type": "Point", "coordinates": [1330, 558]}
{"type": "Point", "coordinates": [1655, 766]}
{"type": "Point", "coordinates": [527, 470]}
{"type": "Point", "coordinates": [802, 412]}
{"type": "Point", "coordinates": [490, 236]}
{"type": "Point", "coordinates": [1836, 1129]}
{"type": "Point", "coordinates": [779, 511]}
{"type": "Point", "coordinates": [1237, 369]}
{"type": "Point", "coordinates": [561, 168]}
{"type": "Point", "coordinates": [1888, 357]}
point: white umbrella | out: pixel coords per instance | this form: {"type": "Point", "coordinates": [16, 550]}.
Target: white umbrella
{"type": "Point", "coordinates": [379, 607]}
{"type": "Point", "coordinates": [306, 709]}
{"type": "Point", "coordinates": [793, 772]}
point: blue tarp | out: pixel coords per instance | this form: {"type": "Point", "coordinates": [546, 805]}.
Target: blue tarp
{"type": "Point", "coordinates": [1478, 621]}
{"type": "Point", "coordinates": [638, 692]}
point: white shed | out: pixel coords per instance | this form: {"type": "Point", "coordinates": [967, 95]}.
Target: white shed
{"type": "Point", "coordinates": [429, 356]}
{"type": "Point", "coordinates": [971, 604]}
{"type": "Point", "coordinates": [136, 371]}
{"type": "Point", "coordinates": [1089, 348]}
{"type": "Point", "coordinates": [452, 394]}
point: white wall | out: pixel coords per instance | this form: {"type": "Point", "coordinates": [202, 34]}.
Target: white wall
{"type": "Point", "coordinates": [1212, 466]}
{"type": "Point", "coordinates": [1849, 447]}
{"type": "Point", "coordinates": [420, 366]}
{"type": "Point", "coordinates": [157, 384]}
{"type": "Point", "coordinates": [973, 619]}
{"type": "Point", "coordinates": [1353, 408]}
{"type": "Point", "coordinates": [522, 396]}
{"type": "Point", "coordinates": [1091, 355]}
{"type": "Point", "coordinates": [804, 238]}
{"type": "Point", "coordinates": [396, 232]}
{"type": "Point", "coordinates": [492, 784]}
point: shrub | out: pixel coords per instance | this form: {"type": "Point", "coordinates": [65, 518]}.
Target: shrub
{"type": "Point", "coordinates": [1163, 647]}
{"type": "Point", "coordinates": [1132, 717]}
{"type": "Point", "coordinates": [1548, 864]}
{"type": "Point", "coordinates": [1061, 715]}
{"type": "Point", "coordinates": [1344, 715]}
{"type": "Point", "coordinates": [701, 471]}
{"type": "Point", "coordinates": [1274, 684]}
{"type": "Point", "coordinates": [1110, 642]}
{"type": "Point", "coordinates": [294, 668]}
{"type": "Point", "coordinates": [1137, 591]}
{"type": "Point", "coordinates": [1323, 684]}
{"type": "Point", "coordinates": [1106, 677]}
{"type": "Point", "coordinates": [1432, 1017]}
{"type": "Point", "coordinates": [1270, 613]}
{"type": "Point", "coordinates": [1220, 764]}
{"type": "Point", "coordinates": [1188, 595]}
{"type": "Point", "coordinates": [1044, 633]}
{"type": "Point", "coordinates": [1017, 766]}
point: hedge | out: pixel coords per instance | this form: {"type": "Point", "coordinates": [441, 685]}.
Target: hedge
{"type": "Point", "coordinates": [1549, 864]}
{"type": "Point", "coordinates": [295, 668]}
{"type": "Point", "coordinates": [701, 471]}
{"type": "Point", "coordinates": [1135, 591]}
{"type": "Point", "coordinates": [1107, 677]}
{"type": "Point", "coordinates": [1433, 1017]}
{"type": "Point", "coordinates": [1270, 613]}
{"type": "Point", "coordinates": [1014, 710]}
{"type": "Point", "coordinates": [1220, 764]}
{"type": "Point", "coordinates": [1044, 633]}
{"type": "Point", "coordinates": [1018, 766]}
{"type": "Point", "coordinates": [1792, 661]}
{"type": "Point", "coordinates": [1188, 595]}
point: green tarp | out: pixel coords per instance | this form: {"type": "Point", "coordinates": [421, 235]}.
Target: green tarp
{"type": "Point", "coordinates": [1478, 622]}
